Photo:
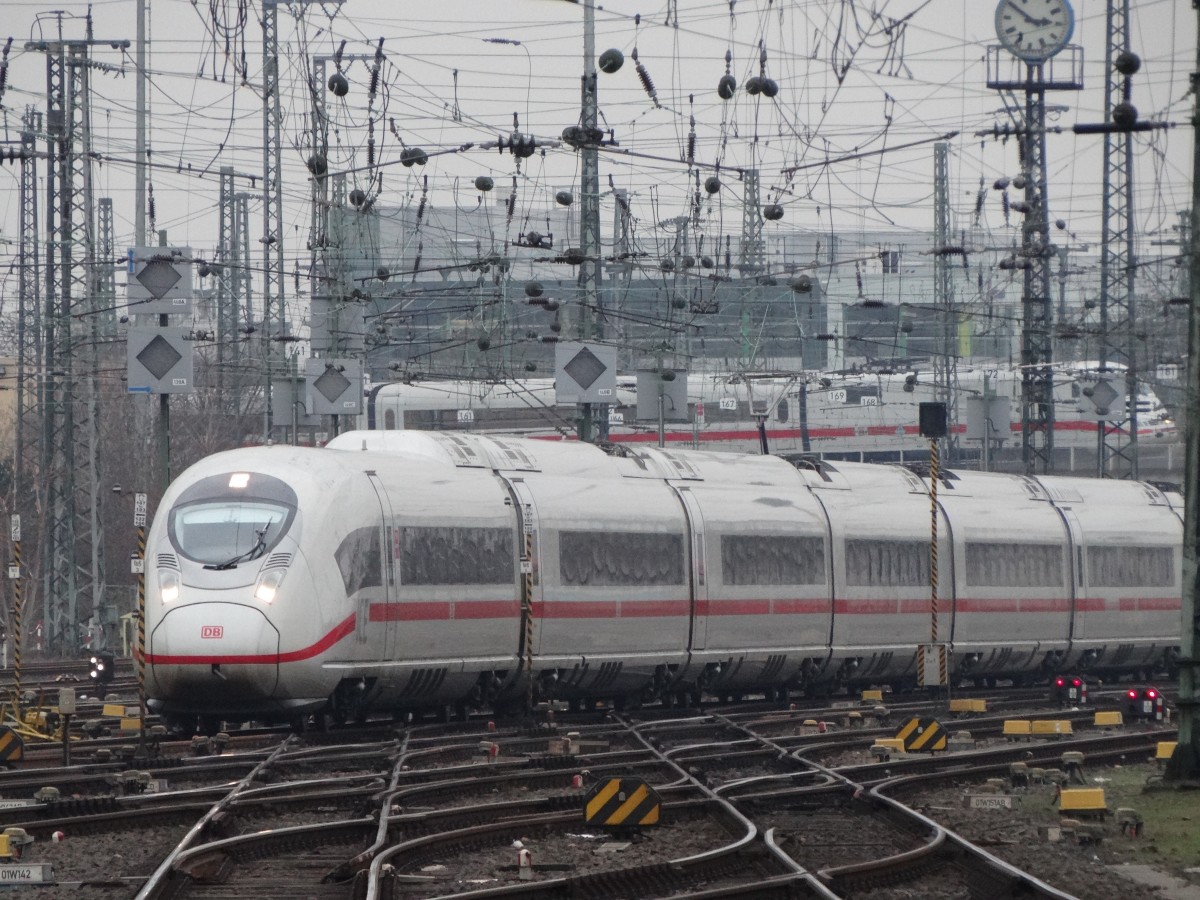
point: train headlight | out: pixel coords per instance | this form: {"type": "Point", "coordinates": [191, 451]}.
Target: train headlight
{"type": "Point", "coordinates": [168, 585]}
{"type": "Point", "coordinates": [267, 584]}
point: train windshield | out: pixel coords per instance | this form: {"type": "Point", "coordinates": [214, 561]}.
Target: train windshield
{"type": "Point", "coordinates": [223, 522]}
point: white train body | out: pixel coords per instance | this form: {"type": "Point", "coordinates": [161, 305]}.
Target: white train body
{"type": "Point", "coordinates": [411, 569]}
{"type": "Point", "coordinates": [867, 413]}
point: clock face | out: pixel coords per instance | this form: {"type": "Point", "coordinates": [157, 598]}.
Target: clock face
{"type": "Point", "coordinates": [1034, 30]}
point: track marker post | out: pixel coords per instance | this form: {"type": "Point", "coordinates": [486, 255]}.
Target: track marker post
{"type": "Point", "coordinates": [931, 658]}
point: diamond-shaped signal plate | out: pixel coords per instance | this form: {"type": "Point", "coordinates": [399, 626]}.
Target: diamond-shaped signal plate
{"type": "Point", "coordinates": [158, 277]}
{"type": "Point", "coordinates": [332, 384]}
{"type": "Point", "coordinates": [1103, 396]}
{"type": "Point", "coordinates": [585, 367]}
{"type": "Point", "coordinates": [159, 357]}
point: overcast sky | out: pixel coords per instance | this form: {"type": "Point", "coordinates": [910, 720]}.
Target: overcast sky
{"type": "Point", "coordinates": [853, 77]}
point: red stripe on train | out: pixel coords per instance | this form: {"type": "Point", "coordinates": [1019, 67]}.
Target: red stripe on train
{"type": "Point", "coordinates": [343, 628]}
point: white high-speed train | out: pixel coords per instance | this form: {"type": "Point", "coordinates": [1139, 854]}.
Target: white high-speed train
{"type": "Point", "coordinates": [870, 413]}
{"type": "Point", "coordinates": [412, 570]}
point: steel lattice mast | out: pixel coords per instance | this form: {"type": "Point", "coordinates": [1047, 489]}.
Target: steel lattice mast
{"type": "Point", "coordinates": [72, 563]}
{"type": "Point", "coordinates": [945, 358]}
{"type": "Point", "coordinates": [1117, 438]}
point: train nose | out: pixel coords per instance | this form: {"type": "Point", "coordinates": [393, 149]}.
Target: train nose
{"type": "Point", "coordinates": [213, 656]}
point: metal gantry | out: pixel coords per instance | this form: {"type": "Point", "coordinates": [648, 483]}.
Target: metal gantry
{"type": "Point", "coordinates": [1117, 448]}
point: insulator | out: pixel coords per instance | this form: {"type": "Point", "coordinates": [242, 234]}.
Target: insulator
{"type": "Point", "coordinates": [374, 82]}
{"type": "Point", "coordinates": [687, 262]}
{"type": "Point", "coordinates": [667, 265]}
{"type": "Point", "coordinates": [552, 305]}
{"type": "Point", "coordinates": [770, 87]}
{"type": "Point", "coordinates": [858, 277]}
{"type": "Point", "coordinates": [357, 197]}
{"type": "Point", "coordinates": [483, 343]}
{"type": "Point", "coordinates": [338, 85]}
{"type": "Point", "coordinates": [706, 262]}
{"type": "Point", "coordinates": [754, 85]}
{"type": "Point", "coordinates": [646, 82]}
{"type": "Point", "coordinates": [512, 205]}
{"type": "Point", "coordinates": [534, 289]}
{"type": "Point", "coordinates": [611, 61]}
{"type": "Point", "coordinates": [317, 165]}
{"type": "Point", "coordinates": [712, 184]}
{"type": "Point", "coordinates": [691, 145]}
{"type": "Point", "coordinates": [483, 183]}
{"type": "Point", "coordinates": [773, 212]}
{"type": "Point", "coordinates": [411, 156]}
{"type": "Point", "coordinates": [1124, 115]}
{"type": "Point", "coordinates": [1000, 184]}
{"type": "Point", "coordinates": [979, 203]}
{"type": "Point", "coordinates": [802, 284]}
{"type": "Point", "coordinates": [383, 273]}
{"type": "Point", "coordinates": [337, 54]}
{"type": "Point", "coordinates": [1127, 63]}
{"type": "Point", "coordinates": [1019, 182]}
{"type": "Point", "coordinates": [421, 209]}
{"type": "Point", "coordinates": [370, 151]}
{"type": "Point", "coordinates": [564, 198]}
{"type": "Point", "coordinates": [726, 86]}
{"type": "Point", "coordinates": [534, 239]}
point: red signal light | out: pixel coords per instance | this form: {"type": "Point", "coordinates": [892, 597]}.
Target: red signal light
{"type": "Point", "coordinates": [1058, 682]}
{"type": "Point", "coordinates": [1076, 682]}
{"type": "Point", "coordinates": [1152, 693]}
{"type": "Point", "coordinates": [1133, 695]}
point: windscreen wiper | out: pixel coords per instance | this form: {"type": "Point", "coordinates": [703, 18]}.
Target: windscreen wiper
{"type": "Point", "coordinates": [259, 548]}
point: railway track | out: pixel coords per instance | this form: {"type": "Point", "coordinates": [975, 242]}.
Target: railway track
{"type": "Point", "coordinates": [755, 804]}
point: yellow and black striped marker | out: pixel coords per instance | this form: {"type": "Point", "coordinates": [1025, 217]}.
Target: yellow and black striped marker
{"type": "Point", "coordinates": [12, 748]}
{"type": "Point", "coordinates": [622, 803]}
{"type": "Point", "coordinates": [922, 734]}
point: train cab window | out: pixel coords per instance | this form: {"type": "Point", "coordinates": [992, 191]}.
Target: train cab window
{"type": "Point", "coordinates": [389, 420]}
{"type": "Point", "coordinates": [1015, 565]}
{"type": "Point", "coordinates": [359, 559]}
{"type": "Point", "coordinates": [225, 520]}
{"type": "Point", "coordinates": [781, 411]}
{"type": "Point", "coordinates": [1131, 566]}
{"type": "Point", "coordinates": [619, 558]}
{"type": "Point", "coordinates": [456, 556]}
{"type": "Point", "coordinates": [772, 559]}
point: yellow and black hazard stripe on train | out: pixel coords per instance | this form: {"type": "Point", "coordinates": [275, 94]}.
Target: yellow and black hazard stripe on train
{"type": "Point", "coordinates": [12, 748]}
{"type": "Point", "coordinates": [922, 735]}
{"type": "Point", "coordinates": [622, 803]}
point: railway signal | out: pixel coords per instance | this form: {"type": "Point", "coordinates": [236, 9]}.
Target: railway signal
{"type": "Point", "coordinates": [103, 665]}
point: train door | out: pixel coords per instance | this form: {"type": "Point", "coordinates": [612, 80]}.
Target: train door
{"type": "Point", "coordinates": [1077, 590]}
{"type": "Point", "coordinates": [531, 582]}
{"type": "Point", "coordinates": [378, 609]}
{"type": "Point", "coordinates": [699, 578]}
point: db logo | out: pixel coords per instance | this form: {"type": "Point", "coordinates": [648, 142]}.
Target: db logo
{"type": "Point", "coordinates": [212, 631]}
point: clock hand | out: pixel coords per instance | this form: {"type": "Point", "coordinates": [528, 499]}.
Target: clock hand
{"type": "Point", "coordinates": [1026, 16]}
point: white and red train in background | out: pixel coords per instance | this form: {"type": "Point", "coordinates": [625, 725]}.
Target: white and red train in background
{"type": "Point", "coordinates": [840, 414]}
{"type": "Point", "coordinates": [411, 570]}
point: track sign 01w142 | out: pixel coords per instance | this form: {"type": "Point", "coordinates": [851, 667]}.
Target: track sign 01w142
{"type": "Point", "coordinates": [334, 387]}
{"type": "Point", "coordinates": [159, 280]}
{"type": "Point", "coordinates": [159, 361]}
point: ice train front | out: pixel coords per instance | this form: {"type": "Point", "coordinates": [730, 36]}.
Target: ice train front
{"type": "Point", "coordinates": [233, 622]}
